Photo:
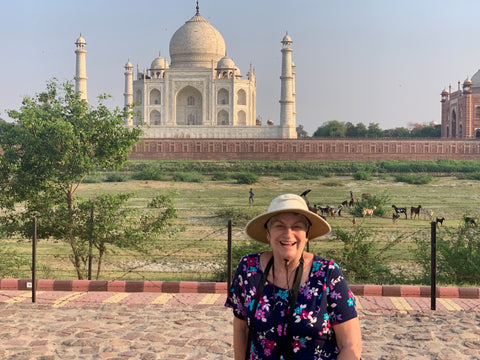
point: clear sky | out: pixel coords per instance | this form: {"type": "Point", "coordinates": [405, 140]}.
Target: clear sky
{"type": "Point", "coordinates": [379, 61]}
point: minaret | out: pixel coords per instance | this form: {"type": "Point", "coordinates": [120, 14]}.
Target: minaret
{"type": "Point", "coordinates": [81, 68]}
{"type": "Point", "coordinates": [128, 94]}
{"type": "Point", "coordinates": [287, 102]}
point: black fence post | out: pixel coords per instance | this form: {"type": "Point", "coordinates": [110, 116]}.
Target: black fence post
{"type": "Point", "coordinates": [229, 256]}
{"type": "Point", "coordinates": [90, 241]}
{"type": "Point", "coordinates": [433, 280]}
{"type": "Point", "coordinates": [34, 260]}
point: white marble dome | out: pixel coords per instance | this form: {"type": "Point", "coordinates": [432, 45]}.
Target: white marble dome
{"type": "Point", "coordinates": [196, 44]}
{"type": "Point", "coordinates": [80, 40]}
{"type": "Point", "coordinates": [159, 63]}
{"type": "Point", "coordinates": [226, 63]}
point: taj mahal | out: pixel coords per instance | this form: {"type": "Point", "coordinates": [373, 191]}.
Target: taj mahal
{"type": "Point", "coordinates": [200, 93]}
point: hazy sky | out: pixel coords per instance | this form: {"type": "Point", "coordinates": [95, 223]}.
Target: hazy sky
{"type": "Point", "coordinates": [380, 61]}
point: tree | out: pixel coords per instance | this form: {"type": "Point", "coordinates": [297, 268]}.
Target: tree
{"type": "Point", "coordinates": [332, 128]}
{"type": "Point", "coordinates": [109, 223]}
{"type": "Point", "coordinates": [301, 132]}
{"type": "Point", "coordinates": [400, 132]}
{"type": "Point", "coordinates": [374, 131]}
{"type": "Point", "coordinates": [56, 139]}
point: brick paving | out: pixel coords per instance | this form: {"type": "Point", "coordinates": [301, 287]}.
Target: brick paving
{"type": "Point", "coordinates": [161, 325]}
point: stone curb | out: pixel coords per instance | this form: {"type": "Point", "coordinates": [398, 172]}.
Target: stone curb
{"type": "Point", "coordinates": [221, 288]}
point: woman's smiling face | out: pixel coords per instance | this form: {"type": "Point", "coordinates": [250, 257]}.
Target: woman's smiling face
{"type": "Point", "coordinates": [287, 235]}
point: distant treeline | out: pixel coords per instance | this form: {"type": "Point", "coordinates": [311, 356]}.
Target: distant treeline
{"type": "Point", "coordinates": [338, 129]}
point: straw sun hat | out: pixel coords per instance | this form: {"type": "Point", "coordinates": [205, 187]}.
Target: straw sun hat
{"type": "Point", "coordinates": [287, 203]}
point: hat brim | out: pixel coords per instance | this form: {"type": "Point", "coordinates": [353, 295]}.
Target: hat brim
{"type": "Point", "coordinates": [257, 231]}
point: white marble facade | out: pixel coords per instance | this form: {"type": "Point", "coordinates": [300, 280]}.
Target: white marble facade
{"type": "Point", "coordinates": [201, 93]}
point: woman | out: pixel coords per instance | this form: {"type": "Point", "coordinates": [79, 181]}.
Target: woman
{"type": "Point", "coordinates": [304, 308]}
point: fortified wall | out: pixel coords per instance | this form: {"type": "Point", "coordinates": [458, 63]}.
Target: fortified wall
{"type": "Point", "coordinates": [306, 149]}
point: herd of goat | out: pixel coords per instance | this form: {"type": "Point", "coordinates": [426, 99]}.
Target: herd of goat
{"type": "Point", "coordinates": [397, 211]}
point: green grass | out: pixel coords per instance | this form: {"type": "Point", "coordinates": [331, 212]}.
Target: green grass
{"type": "Point", "coordinates": [202, 207]}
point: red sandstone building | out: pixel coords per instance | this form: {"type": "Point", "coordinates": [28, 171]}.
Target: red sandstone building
{"type": "Point", "coordinates": [461, 110]}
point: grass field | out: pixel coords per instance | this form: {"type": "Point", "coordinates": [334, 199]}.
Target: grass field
{"type": "Point", "coordinates": [200, 252]}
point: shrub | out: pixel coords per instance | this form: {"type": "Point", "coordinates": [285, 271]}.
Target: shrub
{"type": "Point", "coordinates": [150, 173]}
{"type": "Point", "coordinates": [246, 178]}
{"type": "Point", "coordinates": [362, 258]}
{"type": "Point", "coordinates": [220, 176]}
{"type": "Point", "coordinates": [458, 255]}
{"type": "Point", "coordinates": [414, 179]}
{"type": "Point", "coordinates": [369, 201]}
{"type": "Point", "coordinates": [189, 177]}
{"type": "Point", "coordinates": [11, 262]}
{"type": "Point", "coordinates": [362, 175]}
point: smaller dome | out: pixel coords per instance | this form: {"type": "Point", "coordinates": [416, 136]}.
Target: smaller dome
{"type": "Point", "coordinates": [287, 39]}
{"type": "Point", "coordinates": [159, 64]}
{"type": "Point", "coordinates": [445, 91]}
{"type": "Point", "coordinates": [80, 40]}
{"type": "Point", "coordinates": [128, 65]}
{"type": "Point", "coordinates": [226, 63]}
{"type": "Point", "coordinates": [467, 81]}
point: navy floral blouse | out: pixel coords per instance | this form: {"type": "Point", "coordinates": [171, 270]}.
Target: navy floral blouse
{"type": "Point", "coordinates": [323, 301]}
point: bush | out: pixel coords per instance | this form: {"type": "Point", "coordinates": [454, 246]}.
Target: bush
{"type": "Point", "coordinates": [150, 173]}
{"type": "Point", "coordinates": [220, 176]}
{"type": "Point", "coordinates": [189, 177]}
{"type": "Point", "coordinates": [11, 262]}
{"type": "Point", "coordinates": [369, 201]}
{"type": "Point", "coordinates": [414, 179]}
{"type": "Point", "coordinates": [458, 255]}
{"type": "Point", "coordinates": [362, 175]}
{"type": "Point", "coordinates": [362, 259]}
{"type": "Point", "coordinates": [246, 178]}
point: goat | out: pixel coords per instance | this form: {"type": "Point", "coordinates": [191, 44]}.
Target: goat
{"type": "Point", "coordinates": [325, 210]}
{"type": "Point", "coordinates": [345, 203]}
{"type": "Point", "coordinates": [469, 221]}
{"type": "Point", "coordinates": [401, 210]}
{"type": "Point", "coordinates": [440, 220]}
{"type": "Point", "coordinates": [368, 211]}
{"type": "Point", "coordinates": [428, 212]}
{"type": "Point", "coordinates": [415, 211]}
{"type": "Point", "coordinates": [395, 217]}
{"type": "Point", "coordinates": [338, 210]}
{"type": "Point", "coordinates": [354, 221]}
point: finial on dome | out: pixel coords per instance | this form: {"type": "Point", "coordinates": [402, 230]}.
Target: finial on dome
{"type": "Point", "coordinates": [198, 9]}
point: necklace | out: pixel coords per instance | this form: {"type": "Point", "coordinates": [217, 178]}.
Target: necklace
{"type": "Point", "coordinates": [284, 339]}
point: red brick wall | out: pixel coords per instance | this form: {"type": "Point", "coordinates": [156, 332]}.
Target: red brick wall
{"type": "Point", "coordinates": [307, 149]}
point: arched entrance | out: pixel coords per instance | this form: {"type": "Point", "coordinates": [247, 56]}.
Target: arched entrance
{"type": "Point", "coordinates": [188, 110]}
{"type": "Point", "coordinates": [454, 124]}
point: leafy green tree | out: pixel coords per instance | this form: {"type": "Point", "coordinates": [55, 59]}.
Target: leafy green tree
{"type": "Point", "coordinates": [374, 131]}
{"type": "Point", "coordinates": [400, 132]}
{"type": "Point", "coordinates": [55, 141]}
{"type": "Point", "coordinates": [301, 132]}
{"type": "Point", "coordinates": [115, 225]}
{"type": "Point", "coordinates": [332, 129]}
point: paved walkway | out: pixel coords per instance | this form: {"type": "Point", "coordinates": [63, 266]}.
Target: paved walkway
{"type": "Point", "coordinates": [377, 304]}
{"type": "Point", "coordinates": [146, 325]}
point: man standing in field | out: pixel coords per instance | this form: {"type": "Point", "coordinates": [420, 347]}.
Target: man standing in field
{"type": "Point", "coordinates": [250, 199]}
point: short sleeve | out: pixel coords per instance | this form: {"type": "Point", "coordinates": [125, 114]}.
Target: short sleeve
{"type": "Point", "coordinates": [341, 301]}
{"type": "Point", "coordinates": [238, 295]}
